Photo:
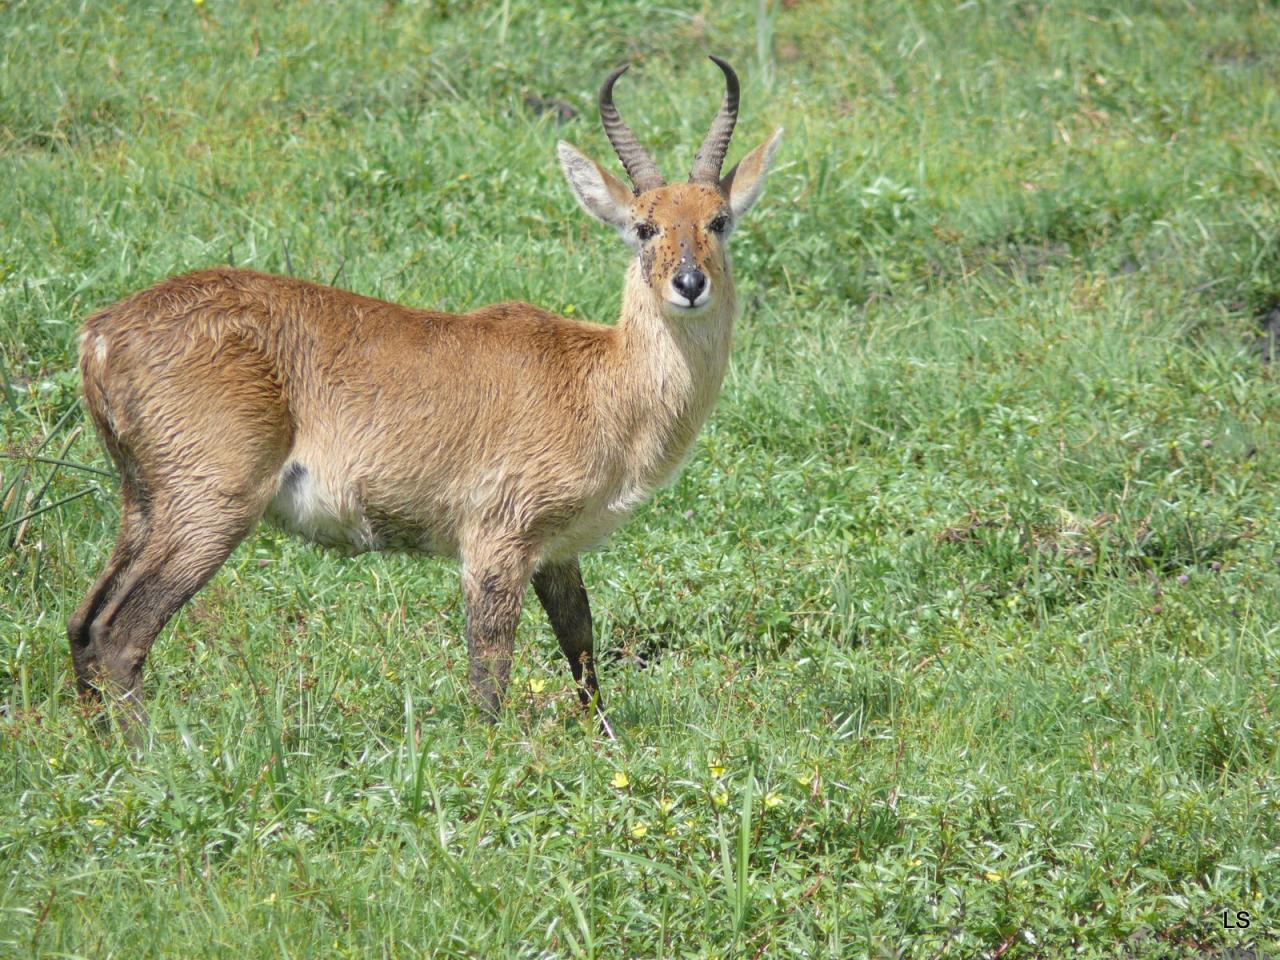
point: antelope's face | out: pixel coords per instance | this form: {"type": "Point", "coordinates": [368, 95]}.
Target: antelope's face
{"type": "Point", "coordinates": [679, 234]}
{"type": "Point", "coordinates": [678, 231]}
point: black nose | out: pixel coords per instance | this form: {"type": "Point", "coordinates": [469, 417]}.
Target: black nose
{"type": "Point", "coordinates": [690, 283]}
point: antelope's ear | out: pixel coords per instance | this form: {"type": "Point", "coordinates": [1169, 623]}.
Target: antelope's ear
{"type": "Point", "coordinates": [745, 182]}
{"type": "Point", "coordinates": [601, 194]}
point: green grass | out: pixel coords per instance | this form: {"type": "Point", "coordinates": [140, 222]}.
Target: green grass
{"type": "Point", "coordinates": [958, 636]}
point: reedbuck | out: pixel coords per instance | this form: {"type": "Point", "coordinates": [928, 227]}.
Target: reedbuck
{"type": "Point", "coordinates": [508, 437]}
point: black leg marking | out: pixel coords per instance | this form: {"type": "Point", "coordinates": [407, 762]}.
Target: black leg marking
{"type": "Point", "coordinates": [493, 602]}
{"type": "Point", "coordinates": [561, 592]}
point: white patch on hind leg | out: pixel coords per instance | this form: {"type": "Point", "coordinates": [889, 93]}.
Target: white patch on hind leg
{"type": "Point", "coordinates": [98, 342]}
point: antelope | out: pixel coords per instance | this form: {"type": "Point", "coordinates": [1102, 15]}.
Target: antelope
{"type": "Point", "coordinates": [508, 438]}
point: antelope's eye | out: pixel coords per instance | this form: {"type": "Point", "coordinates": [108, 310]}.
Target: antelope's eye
{"type": "Point", "coordinates": [645, 231]}
{"type": "Point", "coordinates": [719, 225]}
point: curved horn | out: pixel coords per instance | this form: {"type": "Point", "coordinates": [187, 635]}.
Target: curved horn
{"type": "Point", "coordinates": [639, 165]}
{"type": "Point", "coordinates": [710, 156]}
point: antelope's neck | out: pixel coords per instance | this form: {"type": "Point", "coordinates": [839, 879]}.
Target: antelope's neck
{"type": "Point", "coordinates": [668, 377]}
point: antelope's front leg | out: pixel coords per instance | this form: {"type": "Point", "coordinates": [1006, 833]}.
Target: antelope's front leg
{"type": "Point", "coordinates": [562, 594]}
{"type": "Point", "coordinates": [492, 592]}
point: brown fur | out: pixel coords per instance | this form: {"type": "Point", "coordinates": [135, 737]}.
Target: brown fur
{"type": "Point", "coordinates": [510, 438]}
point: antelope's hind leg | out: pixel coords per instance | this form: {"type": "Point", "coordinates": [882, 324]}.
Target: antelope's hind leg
{"type": "Point", "coordinates": [204, 467]}
{"type": "Point", "coordinates": [177, 560]}
{"type": "Point", "coordinates": [128, 543]}
{"type": "Point", "coordinates": [564, 597]}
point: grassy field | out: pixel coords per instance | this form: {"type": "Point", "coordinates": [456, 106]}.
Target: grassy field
{"type": "Point", "coordinates": [959, 635]}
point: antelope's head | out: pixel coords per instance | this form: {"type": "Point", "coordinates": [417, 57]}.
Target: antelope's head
{"type": "Point", "coordinates": [679, 231]}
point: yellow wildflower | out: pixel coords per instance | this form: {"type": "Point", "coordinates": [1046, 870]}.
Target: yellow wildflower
{"type": "Point", "coordinates": [639, 829]}
{"type": "Point", "coordinates": [620, 780]}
